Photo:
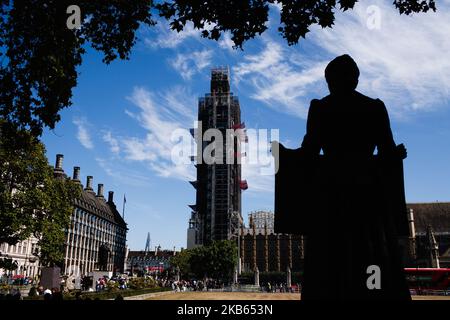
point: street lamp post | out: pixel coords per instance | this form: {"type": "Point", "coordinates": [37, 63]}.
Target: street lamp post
{"type": "Point", "coordinates": [32, 260]}
{"type": "Point", "coordinates": [239, 249]}
{"type": "Point", "coordinates": [17, 265]}
{"type": "Point", "coordinates": [237, 226]}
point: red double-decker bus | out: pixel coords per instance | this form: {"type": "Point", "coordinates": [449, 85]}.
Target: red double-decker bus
{"type": "Point", "coordinates": [422, 280]}
{"type": "Point", "coordinates": [155, 268]}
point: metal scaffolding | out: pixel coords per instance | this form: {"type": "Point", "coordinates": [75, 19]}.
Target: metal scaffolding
{"type": "Point", "coordinates": [218, 186]}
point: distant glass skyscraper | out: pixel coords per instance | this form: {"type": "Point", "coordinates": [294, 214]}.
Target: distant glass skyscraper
{"type": "Point", "coordinates": [218, 185]}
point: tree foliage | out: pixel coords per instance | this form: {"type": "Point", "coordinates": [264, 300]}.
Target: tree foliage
{"type": "Point", "coordinates": [24, 171]}
{"type": "Point", "coordinates": [217, 260]}
{"type": "Point", "coordinates": [245, 19]}
{"type": "Point", "coordinates": [8, 264]}
{"type": "Point", "coordinates": [181, 262]}
{"type": "Point", "coordinates": [32, 200]}
{"type": "Point", "coordinates": [61, 192]}
{"type": "Point", "coordinates": [39, 55]}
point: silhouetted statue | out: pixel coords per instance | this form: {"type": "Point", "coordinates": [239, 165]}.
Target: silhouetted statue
{"type": "Point", "coordinates": [348, 202]}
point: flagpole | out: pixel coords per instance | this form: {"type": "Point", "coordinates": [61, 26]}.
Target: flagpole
{"type": "Point", "coordinates": [123, 209]}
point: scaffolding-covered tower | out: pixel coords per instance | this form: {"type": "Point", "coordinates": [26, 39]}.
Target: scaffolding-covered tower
{"type": "Point", "coordinates": [262, 219]}
{"type": "Point", "coordinates": [218, 185]}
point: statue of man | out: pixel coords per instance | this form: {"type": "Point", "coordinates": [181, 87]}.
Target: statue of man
{"type": "Point", "coordinates": [349, 202]}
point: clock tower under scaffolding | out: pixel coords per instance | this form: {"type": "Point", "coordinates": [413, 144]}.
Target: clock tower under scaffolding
{"type": "Point", "coordinates": [217, 209]}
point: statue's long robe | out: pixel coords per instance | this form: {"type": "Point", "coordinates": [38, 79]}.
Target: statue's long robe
{"type": "Point", "coordinates": [348, 203]}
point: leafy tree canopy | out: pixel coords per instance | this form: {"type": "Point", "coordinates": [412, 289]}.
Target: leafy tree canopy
{"type": "Point", "coordinates": [181, 262]}
{"type": "Point", "coordinates": [8, 264]}
{"type": "Point", "coordinates": [39, 55]}
{"type": "Point", "coordinates": [32, 200]}
{"type": "Point", "coordinates": [245, 19]}
{"type": "Point", "coordinates": [217, 260]}
{"type": "Point", "coordinates": [56, 219]}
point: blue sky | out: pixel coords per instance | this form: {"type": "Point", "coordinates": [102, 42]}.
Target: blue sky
{"type": "Point", "coordinates": [119, 126]}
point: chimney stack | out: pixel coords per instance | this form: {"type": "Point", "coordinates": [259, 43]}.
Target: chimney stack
{"type": "Point", "coordinates": [89, 183]}
{"type": "Point", "coordinates": [59, 161]}
{"type": "Point", "coordinates": [58, 170]}
{"type": "Point", "coordinates": [76, 174]}
{"type": "Point", "coordinates": [100, 190]}
{"type": "Point", "coordinates": [110, 196]}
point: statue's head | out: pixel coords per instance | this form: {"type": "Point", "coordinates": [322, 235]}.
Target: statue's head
{"type": "Point", "coordinates": [342, 74]}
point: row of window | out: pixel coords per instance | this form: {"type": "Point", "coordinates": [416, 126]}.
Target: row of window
{"type": "Point", "coordinates": [96, 227]}
{"type": "Point", "coordinates": [83, 217]}
{"type": "Point", "coordinates": [149, 259]}
{"type": "Point", "coordinates": [94, 231]}
{"type": "Point", "coordinates": [88, 255]}
{"type": "Point", "coordinates": [79, 240]}
{"type": "Point", "coordinates": [20, 248]}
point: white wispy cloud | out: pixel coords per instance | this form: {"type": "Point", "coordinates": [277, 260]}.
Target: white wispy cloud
{"type": "Point", "coordinates": [160, 115]}
{"type": "Point", "coordinates": [257, 183]}
{"type": "Point", "coordinates": [190, 63]}
{"type": "Point", "coordinates": [276, 79]}
{"type": "Point", "coordinates": [225, 42]}
{"type": "Point", "coordinates": [83, 134]}
{"type": "Point", "coordinates": [113, 142]}
{"type": "Point", "coordinates": [404, 62]}
{"type": "Point", "coordinates": [255, 165]}
{"type": "Point", "coordinates": [167, 38]}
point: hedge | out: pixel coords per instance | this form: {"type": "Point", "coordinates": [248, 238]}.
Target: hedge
{"type": "Point", "coordinates": [105, 295]}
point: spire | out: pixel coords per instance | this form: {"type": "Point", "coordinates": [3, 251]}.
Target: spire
{"type": "Point", "coordinates": [147, 243]}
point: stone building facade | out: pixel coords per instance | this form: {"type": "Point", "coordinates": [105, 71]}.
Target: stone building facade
{"type": "Point", "coordinates": [154, 261]}
{"type": "Point", "coordinates": [95, 239]}
{"type": "Point", "coordinates": [22, 254]}
{"type": "Point", "coordinates": [260, 247]}
{"type": "Point", "coordinates": [428, 245]}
